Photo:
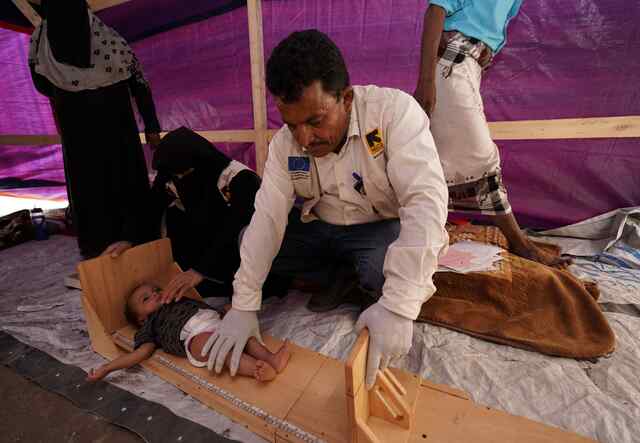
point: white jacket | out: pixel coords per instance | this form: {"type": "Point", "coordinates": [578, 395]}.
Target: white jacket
{"type": "Point", "coordinates": [402, 177]}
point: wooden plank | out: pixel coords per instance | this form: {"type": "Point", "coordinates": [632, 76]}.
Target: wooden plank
{"type": "Point", "coordinates": [440, 417]}
{"type": "Point", "coordinates": [97, 5]}
{"type": "Point", "coordinates": [106, 281]}
{"type": "Point", "coordinates": [28, 11]}
{"type": "Point", "coordinates": [276, 397]}
{"type": "Point", "coordinates": [258, 87]}
{"type": "Point", "coordinates": [325, 396]}
{"type": "Point", "coordinates": [356, 365]}
{"type": "Point", "coordinates": [387, 431]}
{"type": "Point", "coordinates": [390, 403]}
{"type": "Point", "coordinates": [101, 342]}
{"type": "Point", "coordinates": [228, 136]}
{"type": "Point", "coordinates": [569, 128]}
{"type": "Point", "coordinates": [582, 128]}
{"type": "Point", "coordinates": [362, 433]}
{"type": "Point", "coordinates": [445, 389]}
{"type": "Point", "coordinates": [29, 140]}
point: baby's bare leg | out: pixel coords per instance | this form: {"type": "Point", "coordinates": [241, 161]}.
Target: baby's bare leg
{"type": "Point", "coordinates": [278, 360]}
{"type": "Point", "coordinates": [249, 366]}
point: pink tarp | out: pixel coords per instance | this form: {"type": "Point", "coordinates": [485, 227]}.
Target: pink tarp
{"type": "Point", "coordinates": [563, 59]}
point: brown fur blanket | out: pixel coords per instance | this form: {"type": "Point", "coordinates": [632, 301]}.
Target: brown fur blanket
{"type": "Point", "coordinates": [522, 304]}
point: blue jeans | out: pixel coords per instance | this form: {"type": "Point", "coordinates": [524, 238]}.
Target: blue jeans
{"type": "Point", "coordinates": [315, 250]}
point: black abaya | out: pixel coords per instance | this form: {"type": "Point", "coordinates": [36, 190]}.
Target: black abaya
{"type": "Point", "coordinates": [204, 231]}
{"type": "Point", "coordinates": [106, 174]}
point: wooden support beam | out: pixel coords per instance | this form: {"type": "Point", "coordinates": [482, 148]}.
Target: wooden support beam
{"type": "Point", "coordinates": [226, 136]}
{"type": "Point", "coordinates": [28, 11]}
{"type": "Point", "coordinates": [29, 140]}
{"type": "Point", "coordinates": [567, 128]}
{"type": "Point", "coordinates": [575, 128]}
{"type": "Point", "coordinates": [97, 5]}
{"type": "Point", "coordinates": [229, 136]}
{"type": "Point", "coordinates": [258, 87]}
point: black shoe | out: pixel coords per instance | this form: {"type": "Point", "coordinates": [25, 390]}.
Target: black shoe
{"type": "Point", "coordinates": [338, 293]}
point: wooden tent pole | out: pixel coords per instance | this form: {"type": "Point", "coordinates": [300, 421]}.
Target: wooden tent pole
{"type": "Point", "coordinates": [258, 88]}
{"type": "Point", "coordinates": [28, 11]}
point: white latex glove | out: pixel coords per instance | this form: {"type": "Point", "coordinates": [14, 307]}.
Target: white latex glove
{"type": "Point", "coordinates": [234, 331]}
{"type": "Point", "coordinates": [390, 338]}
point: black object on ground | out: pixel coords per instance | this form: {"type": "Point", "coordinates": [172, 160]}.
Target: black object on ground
{"type": "Point", "coordinates": [151, 421]}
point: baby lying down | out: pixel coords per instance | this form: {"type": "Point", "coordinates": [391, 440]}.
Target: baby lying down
{"type": "Point", "coordinates": [182, 328]}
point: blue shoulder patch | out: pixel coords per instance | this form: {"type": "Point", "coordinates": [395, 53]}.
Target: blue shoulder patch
{"type": "Point", "coordinates": [299, 164]}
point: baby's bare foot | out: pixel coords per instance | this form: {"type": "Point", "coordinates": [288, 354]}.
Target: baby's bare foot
{"type": "Point", "coordinates": [280, 359]}
{"type": "Point", "coordinates": [264, 371]}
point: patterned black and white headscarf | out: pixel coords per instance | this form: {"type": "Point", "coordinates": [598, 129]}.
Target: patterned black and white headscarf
{"type": "Point", "coordinates": [111, 59]}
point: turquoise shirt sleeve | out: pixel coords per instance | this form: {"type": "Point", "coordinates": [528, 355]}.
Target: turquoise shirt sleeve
{"type": "Point", "coordinates": [450, 6]}
{"type": "Point", "coordinates": [485, 20]}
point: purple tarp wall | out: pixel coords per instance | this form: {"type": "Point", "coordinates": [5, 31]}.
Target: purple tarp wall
{"type": "Point", "coordinates": [564, 59]}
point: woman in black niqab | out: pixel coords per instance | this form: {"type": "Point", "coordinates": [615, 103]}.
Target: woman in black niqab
{"type": "Point", "coordinates": [207, 199]}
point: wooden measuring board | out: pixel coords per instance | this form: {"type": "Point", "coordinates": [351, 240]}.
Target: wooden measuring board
{"type": "Point", "coordinates": [316, 398]}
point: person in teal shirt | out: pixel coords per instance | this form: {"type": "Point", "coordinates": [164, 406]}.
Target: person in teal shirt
{"type": "Point", "coordinates": [485, 20]}
{"type": "Point", "coordinates": [459, 40]}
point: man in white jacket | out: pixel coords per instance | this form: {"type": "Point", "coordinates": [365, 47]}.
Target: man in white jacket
{"type": "Point", "coordinates": [363, 165]}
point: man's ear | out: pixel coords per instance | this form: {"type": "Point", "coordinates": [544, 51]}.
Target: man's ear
{"type": "Point", "coordinates": [347, 96]}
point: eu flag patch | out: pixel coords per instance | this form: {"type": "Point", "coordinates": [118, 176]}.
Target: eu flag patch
{"type": "Point", "coordinates": [299, 164]}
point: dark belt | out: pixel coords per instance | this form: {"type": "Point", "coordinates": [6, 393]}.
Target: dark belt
{"type": "Point", "coordinates": [485, 56]}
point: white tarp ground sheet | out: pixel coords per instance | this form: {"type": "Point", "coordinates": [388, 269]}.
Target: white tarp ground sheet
{"type": "Point", "coordinates": [612, 238]}
{"type": "Point", "coordinates": [600, 399]}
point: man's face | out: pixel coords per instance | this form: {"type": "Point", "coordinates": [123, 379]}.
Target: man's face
{"type": "Point", "coordinates": [318, 120]}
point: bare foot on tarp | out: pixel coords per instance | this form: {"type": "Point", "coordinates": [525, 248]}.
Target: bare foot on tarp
{"type": "Point", "coordinates": [281, 358]}
{"type": "Point", "coordinates": [521, 245]}
{"type": "Point", "coordinates": [264, 371]}
{"type": "Point", "coordinates": [537, 254]}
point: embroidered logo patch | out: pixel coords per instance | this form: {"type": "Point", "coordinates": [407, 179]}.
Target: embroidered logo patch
{"type": "Point", "coordinates": [298, 164]}
{"type": "Point", "coordinates": [375, 143]}
{"type": "Point", "coordinates": [299, 168]}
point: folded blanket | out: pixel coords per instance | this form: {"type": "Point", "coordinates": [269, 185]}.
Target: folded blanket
{"type": "Point", "coordinates": [523, 304]}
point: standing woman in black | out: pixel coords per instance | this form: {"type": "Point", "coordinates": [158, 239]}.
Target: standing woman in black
{"type": "Point", "coordinates": [89, 72]}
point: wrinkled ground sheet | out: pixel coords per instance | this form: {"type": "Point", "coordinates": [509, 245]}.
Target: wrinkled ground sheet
{"type": "Point", "coordinates": [599, 399]}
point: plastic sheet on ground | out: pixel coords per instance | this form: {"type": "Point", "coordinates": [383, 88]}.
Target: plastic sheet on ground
{"type": "Point", "coordinates": [597, 399]}
{"type": "Point", "coordinates": [613, 238]}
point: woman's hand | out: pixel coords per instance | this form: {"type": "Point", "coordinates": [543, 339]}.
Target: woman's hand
{"type": "Point", "coordinates": [180, 285]}
{"type": "Point", "coordinates": [117, 248]}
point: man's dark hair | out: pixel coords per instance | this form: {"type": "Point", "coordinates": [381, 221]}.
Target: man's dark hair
{"type": "Point", "coordinates": [301, 59]}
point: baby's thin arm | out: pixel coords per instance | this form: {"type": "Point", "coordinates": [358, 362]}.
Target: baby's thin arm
{"type": "Point", "coordinates": [123, 362]}
{"type": "Point", "coordinates": [132, 358]}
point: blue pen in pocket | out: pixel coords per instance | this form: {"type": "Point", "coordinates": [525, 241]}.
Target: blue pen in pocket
{"type": "Point", "coordinates": [358, 183]}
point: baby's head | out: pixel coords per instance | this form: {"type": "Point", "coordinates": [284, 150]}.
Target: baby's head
{"type": "Point", "coordinates": [143, 301]}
